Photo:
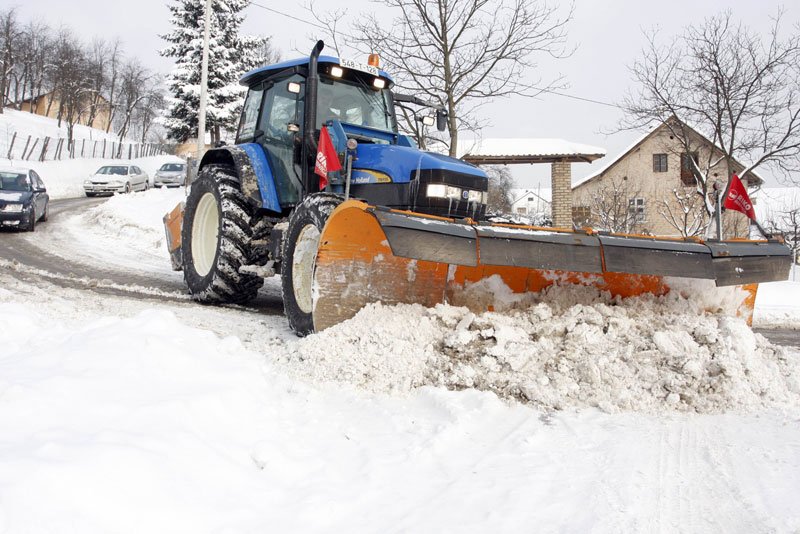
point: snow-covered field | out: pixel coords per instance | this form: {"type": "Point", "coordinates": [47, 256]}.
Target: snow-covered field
{"type": "Point", "coordinates": [565, 413]}
{"type": "Point", "coordinates": [64, 178]}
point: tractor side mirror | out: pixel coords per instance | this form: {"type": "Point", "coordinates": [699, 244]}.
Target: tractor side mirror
{"type": "Point", "coordinates": [441, 120]}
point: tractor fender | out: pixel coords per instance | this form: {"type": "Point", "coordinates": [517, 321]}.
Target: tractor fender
{"type": "Point", "coordinates": [253, 169]}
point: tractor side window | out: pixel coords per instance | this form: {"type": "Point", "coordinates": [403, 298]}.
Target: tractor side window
{"type": "Point", "coordinates": [281, 109]}
{"type": "Point", "coordinates": [249, 118]}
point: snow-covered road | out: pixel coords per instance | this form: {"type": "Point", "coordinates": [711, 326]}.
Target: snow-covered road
{"type": "Point", "coordinates": [118, 416]}
{"type": "Point", "coordinates": [128, 408]}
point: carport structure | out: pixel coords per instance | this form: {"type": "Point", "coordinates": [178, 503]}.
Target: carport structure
{"type": "Point", "coordinates": [560, 154]}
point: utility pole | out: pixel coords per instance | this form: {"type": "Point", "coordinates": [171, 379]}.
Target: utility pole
{"type": "Point", "coordinates": [201, 119]}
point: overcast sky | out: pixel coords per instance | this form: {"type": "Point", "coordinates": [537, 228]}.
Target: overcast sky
{"type": "Point", "coordinates": [607, 36]}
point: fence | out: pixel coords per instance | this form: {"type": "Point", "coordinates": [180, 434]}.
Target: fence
{"type": "Point", "coordinates": [31, 148]}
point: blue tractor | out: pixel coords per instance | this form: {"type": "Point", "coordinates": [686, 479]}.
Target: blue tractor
{"type": "Point", "coordinates": [396, 223]}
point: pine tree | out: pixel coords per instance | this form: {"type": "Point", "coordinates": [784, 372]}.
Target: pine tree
{"type": "Point", "coordinates": [230, 56]}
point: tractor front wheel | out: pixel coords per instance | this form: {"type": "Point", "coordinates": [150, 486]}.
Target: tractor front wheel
{"type": "Point", "coordinates": [299, 257]}
{"type": "Point", "coordinates": [215, 239]}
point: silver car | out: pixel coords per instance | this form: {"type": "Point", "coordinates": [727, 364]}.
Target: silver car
{"type": "Point", "coordinates": [170, 175]}
{"type": "Point", "coordinates": [110, 179]}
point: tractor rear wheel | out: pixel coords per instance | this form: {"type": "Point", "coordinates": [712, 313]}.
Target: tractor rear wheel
{"type": "Point", "coordinates": [299, 256]}
{"type": "Point", "coordinates": [215, 239]}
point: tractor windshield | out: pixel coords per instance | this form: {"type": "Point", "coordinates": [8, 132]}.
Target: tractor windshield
{"type": "Point", "coordinates": [355, 103]}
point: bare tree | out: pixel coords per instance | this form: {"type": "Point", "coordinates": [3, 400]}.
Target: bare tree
{"type": "Point", "coordinates": [616, 207]}
{"type": "Point", "coordinates": [150, 108]}
{"type": "Point", "coordinates": [135, 83]}
{"type": "Point", "coordinates": [30, 72]}
{"type": "Point", "coordinates": [685, 213]}
{"type": "Point", "coordinates": [9, 34]}
{"type": "Point", "coordinates": [328, 22]}
{"type": "Point", "coordinates": [460, 54]}
{"type": "Point", "coordinates": [725, 81]}
{"type": "Point", "coordinates": [786, 222]}
{"type": "Point", "coordinates": [790, 222]}
{"type": "Point", "coordinates": [72, 86]}
{"type": "Point", "coordinates": [501, 184]}
{"type": "Point", "coordinates": [113, 87]}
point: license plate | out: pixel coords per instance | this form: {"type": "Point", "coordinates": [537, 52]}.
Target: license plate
{"type": "Point", "coordinates": [355, 65]}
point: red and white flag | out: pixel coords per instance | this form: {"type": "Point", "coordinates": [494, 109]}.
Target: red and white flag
{"type": "Point", "coordinates": [327, 159]}
{"type": "Point", "coordinates": [738, 199]}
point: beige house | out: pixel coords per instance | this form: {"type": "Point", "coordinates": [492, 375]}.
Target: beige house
{"type": "Point", "coordinates": [650, 188]}
{"type": "Point", "coordinates": [47, 105]}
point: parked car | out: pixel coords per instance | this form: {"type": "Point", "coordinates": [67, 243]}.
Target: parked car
{"type": "Point", "coordinates": [23, 198]}
{"type": "Point", "coordinates": [110, 179]}
{"type": "Point", "coordinates": [170, 175]}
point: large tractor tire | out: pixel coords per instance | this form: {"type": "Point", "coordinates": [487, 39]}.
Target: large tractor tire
{"type": "Point", "coordinates": [298, 259]}
{"type": "Point", "coordinates": [216, 239]}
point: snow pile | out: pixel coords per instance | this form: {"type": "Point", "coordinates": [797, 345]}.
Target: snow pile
{"type": "Point", "coordinates": [135, 217]}
{"type": "Point", "coordinates": [569, 346]}
{"type": "Point", "coordinates": [126, 231]}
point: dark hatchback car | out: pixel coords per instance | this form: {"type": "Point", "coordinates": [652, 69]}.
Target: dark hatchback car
{"type": "Point", "coordinates": [23, 198]}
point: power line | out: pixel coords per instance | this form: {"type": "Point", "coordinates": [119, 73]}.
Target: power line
{"type": "Point", "coordinates": [321, 27]}
{"type": "Point", "coordinates": [574, 97]}
{"type": "Point", "coordinates": [287, 15]}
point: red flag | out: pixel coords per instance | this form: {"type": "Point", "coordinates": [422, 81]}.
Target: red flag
{"type": "Point", "coordinates": [327, 159]}
{"type": "Point", "coordinates": [738, 199]}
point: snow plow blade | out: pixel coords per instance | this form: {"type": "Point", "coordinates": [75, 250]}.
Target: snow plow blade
{"type": "Point", "coordinates": [370, 254]}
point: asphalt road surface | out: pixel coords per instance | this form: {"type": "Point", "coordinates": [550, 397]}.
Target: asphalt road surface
{"type": "Point", "coordinates": [39, 264]}
{"type": "Point", "coordinates": [74, 274]}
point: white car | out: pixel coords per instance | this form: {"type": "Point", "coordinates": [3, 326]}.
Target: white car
{"type": "Point", "coordinates": [170, 175]}
{"type": "Point", "coordinates": [110, 179]}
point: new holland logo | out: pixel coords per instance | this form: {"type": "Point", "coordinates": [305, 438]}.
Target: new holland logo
{"type": "Point", "coordinates": [465, 194]}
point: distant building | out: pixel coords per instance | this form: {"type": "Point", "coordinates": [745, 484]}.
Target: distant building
{"type": "Point", "coordinates": [651, 187]}
{"type": "Point", "coordinates": [531, 201]}
{"type": "Point", "coordinates": [47, 105]}
{"type": "Point", "coordinates": [560, 154]}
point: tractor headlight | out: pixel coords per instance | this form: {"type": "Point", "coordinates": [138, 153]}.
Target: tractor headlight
{"type": "Point", "coordinates": [445, 191]}
{"type": "Point", "coordinates": [437, 190]}
{"type": "Point", "coordinates": [379, 84]}
{"type": "Point", "coordinates": [475, 196]}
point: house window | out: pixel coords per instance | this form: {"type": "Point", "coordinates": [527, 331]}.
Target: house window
{"type": "Point", "coordinates": [581, 215]}
{"type": "Point", "coordinates": [687, 168]}
{"type": "Point", "coordinates": [659, 163]}
{"type": "Point", "coordinates": [522, 211]}
{"type": "Point", "coordinates": [636, 210]}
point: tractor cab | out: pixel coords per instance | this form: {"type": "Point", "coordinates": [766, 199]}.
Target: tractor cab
{"type": "Point", "coordinates": [288, 103]}
{"type": "Point", "coordinates": [276, 108]}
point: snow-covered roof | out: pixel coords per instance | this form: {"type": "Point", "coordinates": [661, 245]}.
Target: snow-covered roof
{"type": "Point", "coordinates": [639, 141]}
{"type": "Point", "coordinates": [542, 194]}
{"type": "Point", "coordinates": [526, 150]}
{"type": "Point", "coordinates": [624, 153]}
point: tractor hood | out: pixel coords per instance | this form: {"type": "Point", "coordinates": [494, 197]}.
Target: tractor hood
{"type": "Point", "coordinates": [401, 163]}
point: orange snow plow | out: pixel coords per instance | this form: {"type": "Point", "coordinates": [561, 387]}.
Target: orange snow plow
{"type": "Point", "coordinates": [369, 254]}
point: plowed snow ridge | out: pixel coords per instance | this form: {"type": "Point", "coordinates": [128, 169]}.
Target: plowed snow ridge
{"type": "Point", "coordinates": [570, 346]}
